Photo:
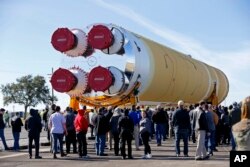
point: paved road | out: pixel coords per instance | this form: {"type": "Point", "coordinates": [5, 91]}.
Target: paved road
{"type": "Point", "coordinates": [23, 137]}
{"type": "Point", "coordinates": [162, 156]}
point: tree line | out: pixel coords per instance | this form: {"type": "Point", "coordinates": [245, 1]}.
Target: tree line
{"type": "Point", "coordinates": [27, 91]}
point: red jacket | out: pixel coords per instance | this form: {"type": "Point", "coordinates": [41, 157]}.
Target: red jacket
{"type": "Point", "coordinates": [81, 123]}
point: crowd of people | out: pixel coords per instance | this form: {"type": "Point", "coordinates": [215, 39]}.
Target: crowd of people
{"type": "Point", "coordinates": [207, 125]}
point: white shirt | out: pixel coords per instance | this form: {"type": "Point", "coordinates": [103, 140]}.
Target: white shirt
{"type": "Point", "coordinates": [56, 121]}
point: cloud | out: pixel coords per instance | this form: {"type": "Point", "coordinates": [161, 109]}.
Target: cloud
{"type": "Point", "coordinates": [232, 63]}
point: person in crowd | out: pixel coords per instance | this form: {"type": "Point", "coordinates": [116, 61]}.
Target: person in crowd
{"type": "Point", "coordinates": [149, 115]}
{"type": "Point", "coordinates": [2, 126]}
{"type": "Point", "coordinates": [16, 124]}
{"type": "Point", "coordinates": [145, 130]}
{"type": "Point", "coordinates": [170, 122]}
{"type": "Point", "coordinates": [33, 125]}
{"type": "Point", "coordinates": [159, 119]}
{"type": "Point", "coordinates": [6, 117]}
{"type": "Point", "coordinates": [192, 115]}
{"type": "Point", "coordinates": [241, 130]}
{"type": "Point", "coordinates": [57, 126]}
{"type": "Point", "coordinates": [216, 121]}
{"type": "Point", "coordinates": [126, 129]}
{"type": "Point", "coordinates": [135, 116]}
{"type": "Point", "coordinates": [81, 127]}
{"type": "Point", "coordinates": [45, 118]}
{"type": "Point", "coordinates": [49, 136]}
{"type": "Point", "coordinates": [225, 126]}
{"type": "Point", "coordinates": [218, 127]}
{"type": "Point", "coordinates": [166, 129]}
{"type": "Point", "coordinates": [109, 133]}
{"type": "Point", "coordinates": [114, 129]}
{"type": "Point", "coordinates": [234, 117]}
{"type": "Point", "coordinates": [91, 125]}
{"type": "Point", "coordinates": [210, 140]}
{"type": "Point", "coordinates": [101, 122]}
{"type": "Point", "coordinates": [71, 137]}
{"type": "Point", "coordinates": [182, 128]}
{"type": "Point", "coordinates": [201, 128]}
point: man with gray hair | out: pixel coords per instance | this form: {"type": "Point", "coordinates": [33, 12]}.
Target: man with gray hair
{"type": "Point", "coordinates": [182, 128]}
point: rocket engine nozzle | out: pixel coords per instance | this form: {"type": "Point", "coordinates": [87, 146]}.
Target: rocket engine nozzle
{"type": "Point", "coordinates": [74, 81]}
{"type": "Point", "coordinates": [100, 79]}
{"type": "Point", "coordinates": [63, 39]}
{"type": "Point", "coordinates": [100, 37]}
{"type": "Point", "coordinates": [71, 42]}
{"type": "Point", "coordinates": [63, 80]}
{"type": "Point", "coordinates": [109, 39]}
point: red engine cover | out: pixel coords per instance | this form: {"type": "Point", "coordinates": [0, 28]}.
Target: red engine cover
{"type": "Point", "coordinates": [100, 37]}
{"type": "Point", "coordinates": [100, 78]}
{"type": "Point", "coordinates": [63, 39]}
{"type": "Point", "coordinates": [63, 80]}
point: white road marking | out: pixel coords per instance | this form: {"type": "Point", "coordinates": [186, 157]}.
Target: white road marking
{"type": "Point", "coordinates": [13, 155]}
{"type": "Point", "coordinates": [21, 154]}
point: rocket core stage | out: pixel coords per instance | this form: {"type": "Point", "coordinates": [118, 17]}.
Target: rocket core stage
{"type": "Point", "coordinates": [109, 65]}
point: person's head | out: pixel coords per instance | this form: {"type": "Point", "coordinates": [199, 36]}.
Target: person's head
{"type": "Point", "coordinates": [101, 110]}
{"type": "Point", "coordinates": [17, 113]}
{"type": "Point", "coordinates": [230, 107]}
{"type": "Point", "coordinates": [117, 111]}
{"type": "Point", "coordinates": [2, 110]}
{"type": "Point", "coordinates": [158, 107]}
{"type": "Point", "coordinates": [196, 105]}
{"type": "Point", "coordinates": [235, 104]}
{"type": "Point", "coordinates": [68, 109]}
{"type": "Point", "coordinates": [138, 107]}
{"type": "Point", "coordinates": [32, 111]}
{"type": "Point", "coordinates": [143, 114]}
{"type": "Point", "coordinates": [191, 107]}
{"type": "Point", "coordinates": [245, 108]}
{"type": "Point", "coordinates": [210, 107]}
{"type": "Point", "coordinates": [133, 107]}
{"type": "Point", "coordinates": [126, 111]}
{"type": "Point", "coordinates": [84, 107]}
{"type": "Point", "coordinates": [225, 109]}
{"type": "Point", "coordinates": [109, 108]}
{"type": "Point", "coordinates": [180, 103]}
{"type": "Point", "coordinates": [58, 108]}
{"type": "Point", "coordinates": [206, 107]}
{"type": "Point", "coordinates": [53, 107]}
{"type": "Point", "coordinates": [202, 104]}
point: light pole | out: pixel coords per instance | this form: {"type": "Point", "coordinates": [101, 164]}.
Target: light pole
{"type": "Point", "coordinates": [52, 90]}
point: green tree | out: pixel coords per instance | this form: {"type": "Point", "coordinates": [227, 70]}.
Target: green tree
{"type": "Point", "coordinates": [28, 91]}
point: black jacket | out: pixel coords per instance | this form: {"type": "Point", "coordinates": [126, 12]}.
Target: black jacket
{"type": "Point", "coordinates": [160, 116]}
{"type": "Point", "coordinates": [201, 120]}
{"type": "Point", "coordinates": [125, 127]}
{"type": "Point", "coordinates": [181, 119]}
{"type": "Point", "coordinates": [33, 124]}
{"type": "Point", "coordinates": [101, 123]}
{"type": "Point", "coordinates": [16, 124]}
{"type": "Point", "coordinates": [2, 124]}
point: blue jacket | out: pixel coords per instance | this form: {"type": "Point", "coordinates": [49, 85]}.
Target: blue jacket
{"type": "Point", "coordinates": [135, 116]}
